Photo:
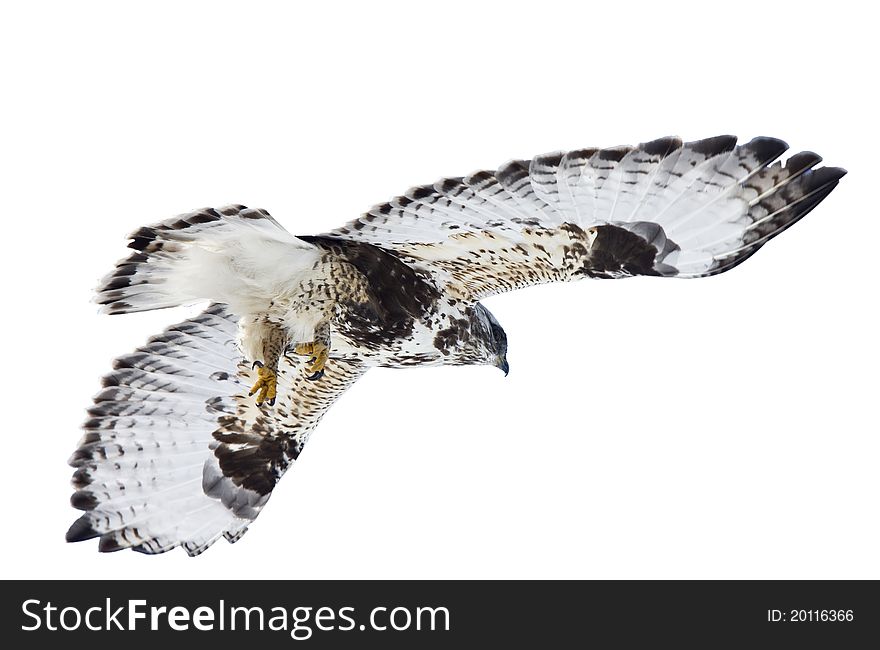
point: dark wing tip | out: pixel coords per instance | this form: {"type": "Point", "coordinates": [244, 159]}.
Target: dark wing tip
{"type": "Point", "coordinates": [661, 146]}
{"type": "Point", "coordinates": [109, 544]}
{"type": "Point", "coordinates": [766, 149]}
{"type": "Point", "coordinates": [802, 161]}
{"type": "Point", "coordinates": [710, 147]}
{"type": "Point", "coordinates": [83, 500]}
{"type": "Point", "coordinates": [420, 192]}
{"type": "Point", "coordinates": [232, 538]}
{"type": "Point", "coordinates": [81, 478]}
{"type": "Point", "coordinates": [81, 530]}
{"type": "Point", "coordinates": [79, 457]}
{"type": "Point", "coordinates": [614, 154]}
{"type": "Point", "coordinates": [142, 238]}
{"type": "Point", "coordinates": [823, 177]}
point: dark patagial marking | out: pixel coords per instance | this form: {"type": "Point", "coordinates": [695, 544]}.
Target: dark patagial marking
{"type": "Point", "coordinates": [398, 294]}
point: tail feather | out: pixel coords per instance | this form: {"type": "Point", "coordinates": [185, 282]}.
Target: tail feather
{"type": "Point", "coordinates": [208, 254]}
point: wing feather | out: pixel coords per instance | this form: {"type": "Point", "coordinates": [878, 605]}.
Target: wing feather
{"type": "Point", "coordinates": [661, 208]}
{"type": "Point", "coordinates": [173, 452]}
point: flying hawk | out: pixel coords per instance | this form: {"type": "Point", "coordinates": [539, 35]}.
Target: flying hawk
{"type": "Point", "coordinates": [191, 432]}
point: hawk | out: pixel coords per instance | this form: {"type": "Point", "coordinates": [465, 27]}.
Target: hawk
{"type": "Point", "coordinates": [190, 432]}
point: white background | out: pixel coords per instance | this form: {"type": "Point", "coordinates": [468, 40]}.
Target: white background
{"type": "Point", "coordinates": [651, 428]}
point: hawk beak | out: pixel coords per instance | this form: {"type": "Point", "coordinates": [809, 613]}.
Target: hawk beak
{"type": "Point", "coordinates": [503, 365]}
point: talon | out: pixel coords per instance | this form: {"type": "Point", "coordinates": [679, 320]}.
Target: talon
{"type": "Point", "coordinates": [318, 354]}
{"type": "Point", "coordinates": [266, 384]}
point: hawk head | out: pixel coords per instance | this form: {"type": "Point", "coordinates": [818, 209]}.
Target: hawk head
{"type": "Point", "coordinates": [490, 338]}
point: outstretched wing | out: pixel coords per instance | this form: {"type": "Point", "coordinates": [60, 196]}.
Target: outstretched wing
{"type": "Point", "coordinates": [661, 208]}
{"type": "Point", "coordinates": [174, 453]}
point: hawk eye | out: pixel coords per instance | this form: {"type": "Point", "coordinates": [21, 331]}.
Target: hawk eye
{"type": "Point", "coordinates": [498, 333]}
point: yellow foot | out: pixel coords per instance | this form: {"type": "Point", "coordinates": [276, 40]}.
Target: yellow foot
{"type": "Point", "coordinates": [267, 384]}
{"type": "Point", "coordinates": [318, 353]}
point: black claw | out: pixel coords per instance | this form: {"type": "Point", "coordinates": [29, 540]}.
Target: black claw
{"type": "Point", "coordinates": [256, 364]}
{"type": "Point", "coordinates": [272, 402]}
{"type": "Point", "coordinates": [316, 376]}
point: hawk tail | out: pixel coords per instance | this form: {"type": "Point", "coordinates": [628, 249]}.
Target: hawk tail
{"type": "Point", "coordinates": [211, 254]}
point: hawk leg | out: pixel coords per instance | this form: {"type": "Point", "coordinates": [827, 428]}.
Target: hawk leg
{"type": "Point", "coordinates": [266, 385]}
{"type": "Point", "coordinates": [318, 350]}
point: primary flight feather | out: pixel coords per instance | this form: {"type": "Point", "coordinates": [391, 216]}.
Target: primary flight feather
{"type": "Point", "coordinates": [191, 431]}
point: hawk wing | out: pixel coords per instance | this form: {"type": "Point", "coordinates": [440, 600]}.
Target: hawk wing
{"type": "Point", "coordinates": [175, 453]}
{"type": "Point", "coordinates": [661, 208]}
